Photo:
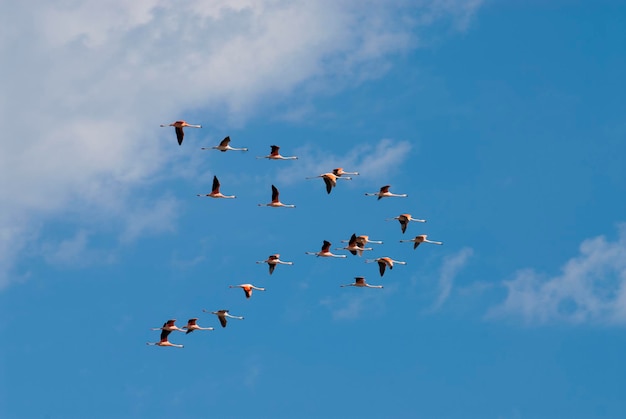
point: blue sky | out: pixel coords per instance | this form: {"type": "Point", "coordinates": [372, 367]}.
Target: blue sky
{"type": "Point", "coordinates": [502, 121]}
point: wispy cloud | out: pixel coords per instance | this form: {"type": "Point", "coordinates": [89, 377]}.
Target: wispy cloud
{"type": "Point", "coordinates": [155, 217]}
{"type": "Point", "coordinates": [68, 252]}
{"type": "Point", "coordinates": [88, 85]}
{"type": "Point", "coordinates": [452, 264]}
{"type": "Point", "coordinates": [590, 288]}
{"type": "Point", "coordinates": [377, 160]}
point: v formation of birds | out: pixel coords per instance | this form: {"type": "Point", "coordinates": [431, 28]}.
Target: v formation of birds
{"type": "Point", "coordinates": [357, 245]}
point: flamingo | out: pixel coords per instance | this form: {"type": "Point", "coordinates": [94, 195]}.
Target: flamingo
{"type": "Point", "coordinates": [330, 180]}
{"type": "Point", "coordinates": [247, 288]}
{"type": "Point", "coordinates": [275, 155]}
{"type": "Point", "coordinates": [325, 252]}
{"type": "Point", "coordinates": [354, 247]}
{"type": "Point", "coordinates": [362, 240]}
{"type": "Point", "coordinates": [224, 146]}
{"type": "Point", "coordinates": [164, 341]}
{"type": "Point", "coordinates": [273, 260]}
{"type": "Point", "coordinates": [384, 262]}
{"type": "Point", "coordinates": [420, 239]}
{"type": "Point", "coordinates": [404, 220]}
{"type": "Point", "coordinates": [340, 172]}
{"type": "Point", "coordinates": [275, 201]}
{"type": "Point", "coordinates": [192, 325]}
{"type": "Point", "coordinates": [359, 281]}
{"type": "Point", "coordinates": [215, 192]}
{"type": "Point", "coordinates": [384, 193]}
{"type": "Point", "coordinates": [222, 315]}
{"type": "Point", "coordinates": [178, 127]}
{"type": "Point", "coordinates": [169, 326]}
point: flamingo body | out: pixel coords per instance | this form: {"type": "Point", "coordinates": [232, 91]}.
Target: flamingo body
{"type": "Point", "coordinates": [359, 281]}
{"type": "Point", "coordinates": [274, 260]}
{"type": "Point", "coordinates": [384, 193]}
{"type": "Point", "coordinates": [404, 220]}
{"type": "Point", "coordinates": [362, 240]}
{"type": "Point", "coordinates": [215, 191]}
{"type": "Point", "coordinates": [340, 172]}
{"type": "Point", "coordinates": [222, 315]}
{"type": "Point", "coordinates": [355, 246]}
{"type": "Point", "coordinates": [224, 146]}
{"type": "Point", "coordinates": [276, 201]}
{"type": "Point", "coordinates": [330, 180]}
{"type": "Point", "coordinates": [247, 289]}
{"type": "Point", "coordinates": [166, 329]}
{"type": "Point", "coordinates": [192, 324]}
{"type": "Point", "coordinates": [385, 262]}
{"type": "Point", "coordinates": [422, 238]}
{"type": "Point", "coordinates": [275, 155]}
{"type": "Point", "coordinates": [169, 326]}
{"type": "Point", "coordinates": [325, 251]}
{"type": "Point", "coordinates": [178, 127]}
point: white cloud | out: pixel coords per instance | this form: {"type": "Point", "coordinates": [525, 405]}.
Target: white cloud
{"type": "Point", "coordinates": [86, 86]}
{"type": "Point", "coordinates": [452, 264]}
{"type": "Point", "coordinates": [372, 161]}
{"type": "Point", "coordinates": [150, 219]}
{"type": "Point", "coordinates": [590, 288]}
{"type": "Point", "coordinates": [69, 251]}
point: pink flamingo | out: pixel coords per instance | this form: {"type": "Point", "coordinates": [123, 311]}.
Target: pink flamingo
{"type": "Point", "coordinates": [224, 146]}
{"type": "Point", "coordinates": [274, 260]}
{"type": "Point", "coordinates": [275, 201]}
{"type": "Point", "coordinates": [215, 192]}
{"type": "Point", "coordinates": [192, 324]}
{"type": "Point", "coordinates": [417, 240]}
{"type": "Point", "coordinates": [178, 127]}
{"type": "Point", "coordinates": [330, 180]}
{"type": "Point", "coordinates": [275, 155]}
{"type": "Point", "coordinates": [354, 246]}
{"type": "Point", "coordinates": [222, 315]}
{"type": "Point", "coordinates": [339, 172]}
{"type": "Point", "coordinates": [325, 252]}
{"type": "Point", "coordinates": [384, 262]}
{"type": "Point", "coordinates": [359, 281]}
{"type": "Point", "coordinates": [164, 341]}
{"type": "Point", "coordinates": [404, 220]}
{"type": "Point", "coordinates": [384, 193]}
{"type": "Point", "coordinates": [247, 289]}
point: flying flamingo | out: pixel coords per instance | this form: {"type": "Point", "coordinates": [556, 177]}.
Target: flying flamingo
{"type": "Point", "coordinates": [275, 201]}
{"type": "Point", "coordinates": [274, 260]}
{"type": "Point", "coordinates": [193, 325]}
{"type": "Point", "coordinates": [178, 127]}
{"type": "Point", "coordinates": [222, 315]}
{"type": "Point", "coordinates": [169, 326]}
{"type": "Point", "coordinates": [275, 155]}
{"type": "Point", "coordinates": [340, 172]}
{"type": "Point", "coordinates": [359, 281]}
{"type": "Point", "coordinates": [164, 341]}
{"type": "Point", "coordinates": [404, 220]}
{"type": "Point", "coordinates": [224, 146]}
{"type": "Point", "coordinates": [420, 239]}
{"type": "Point", "coordinates": [325, 252]}
{"type": "Point", "coordinates": [354, 247]}
{"type": "Point", "coordinates": [362, 240]}
{"type": "Point", "coordinates": [215, 192]}
{"type": "Point", "coordinates": [247, 289]}
{"type": "Point", "coordinates": [384, 262]}
{"type": "Point", "coordinates": [384, 193]}
{"type": "Point", "coordinates": [330, 180]}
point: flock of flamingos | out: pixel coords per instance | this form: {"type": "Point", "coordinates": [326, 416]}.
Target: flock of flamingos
{"type": "Point", "coordinates": [356, 244]}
